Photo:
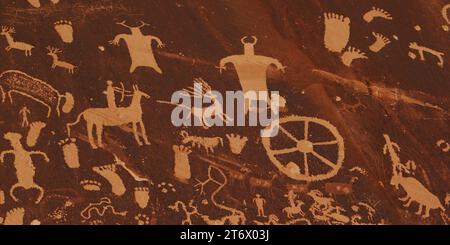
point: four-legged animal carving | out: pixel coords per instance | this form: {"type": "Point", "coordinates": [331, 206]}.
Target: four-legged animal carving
{"type": "Point", "coordinates": [423, 49]}
{"type": "Point", "coordinates": [209, 143]}
{"type": "Point", "coordinates": [295, 206]}
{"type": "Point", "coordinates": [415, 191]}
{"type": "Point", "coordinates": [7, 32]}
{"type": "Point", "coordinates": [100, 117]}
{"type": "Point", "coordinates": [53, 52]}
{"type": "Point", "coordinates": [23, 163]}
{"type": "Point", "coordinates": [14, 81]}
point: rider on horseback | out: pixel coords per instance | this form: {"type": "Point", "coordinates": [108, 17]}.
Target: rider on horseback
{"type": "Point", "coordinates": [111, 96]}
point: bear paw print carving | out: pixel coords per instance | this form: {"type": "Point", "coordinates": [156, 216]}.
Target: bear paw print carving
{"type": "Point", "coordinates": [65, 30]}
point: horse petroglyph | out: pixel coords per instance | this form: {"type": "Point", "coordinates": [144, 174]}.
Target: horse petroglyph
{"type": "Point", "coordinates": [100, 117]}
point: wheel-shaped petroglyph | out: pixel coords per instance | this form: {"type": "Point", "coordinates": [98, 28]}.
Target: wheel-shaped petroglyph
{"type": "Point", "coordinates": [317, 165]}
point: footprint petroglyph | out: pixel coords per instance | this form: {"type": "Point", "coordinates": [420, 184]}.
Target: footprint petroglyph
{"type": "Point", "coordinates": [65, 30]}
{"type": "Point", "coordinates": [91, 185]}
{"type": "Point", "coordinates": [141, 196]}
{"type": "Point", "coordinates": [377, 13]}
{"type": "Point", "coordinates": [337, 32]}
{"type": "Point", "coordinates": [109, 172]}
{"type": "Point", "coordinates": [14, 216]}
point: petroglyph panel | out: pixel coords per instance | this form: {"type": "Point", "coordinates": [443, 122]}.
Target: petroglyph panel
{"type": "Point", "coordinates": [353, 100]}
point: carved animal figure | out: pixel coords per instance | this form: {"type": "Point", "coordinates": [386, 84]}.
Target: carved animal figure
{"type": "Point", "coordinates": [7, 32]}
{"type": "Point", "coordinates": [100, 117]}
{"type": "Point", "coordinates": [53, 52]}
{"type": "Point", "coordinates": [297, 209]}
{"type": "Point", "coordinates": [262, 183]}
{"type": "Point", "coordinates": [415, 191]}
{"type": "Point", "coordinates": [208, 143]}
{"type": "Point", "coordinates": [13, 81]}
{"type": "Point", "coordinates": [295, 206]}
{"type": "Point", "coordinates": [423, 49]}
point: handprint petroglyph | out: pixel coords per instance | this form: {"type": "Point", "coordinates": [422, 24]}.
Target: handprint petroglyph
{"type": "Point", "coordinates": [380, 42]}
{"type": "Point", "coordinates": [352, 54]}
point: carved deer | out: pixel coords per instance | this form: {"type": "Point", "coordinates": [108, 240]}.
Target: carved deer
{"type": "Point", "coordinates": [7, 32]}
{"type": "Point", "coordinates": [415, 191]}
{"type": "Point", "coordinates": [53, 52]}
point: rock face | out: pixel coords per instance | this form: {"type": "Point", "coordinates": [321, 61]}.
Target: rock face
{"type": "Point", "coordinates": [378, 154]}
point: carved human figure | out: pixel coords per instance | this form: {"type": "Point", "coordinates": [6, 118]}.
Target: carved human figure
{"type": "Point", "coordinates": [139, 47]}
{"type": "Point", "coordinates": [25, 170]}
{"type": "Point", "coordinates": [260, 202]}
{"type": "Point", "coordinates": [24, 112]}
{"type": "Point", "coordinates": [295, 206]}
{"type": "Point", "coordinates": [110, 93]}
{"type": "Point", "coordinates": [100, 117]}
{"type": "Point", "coordinates": [251, 68]}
